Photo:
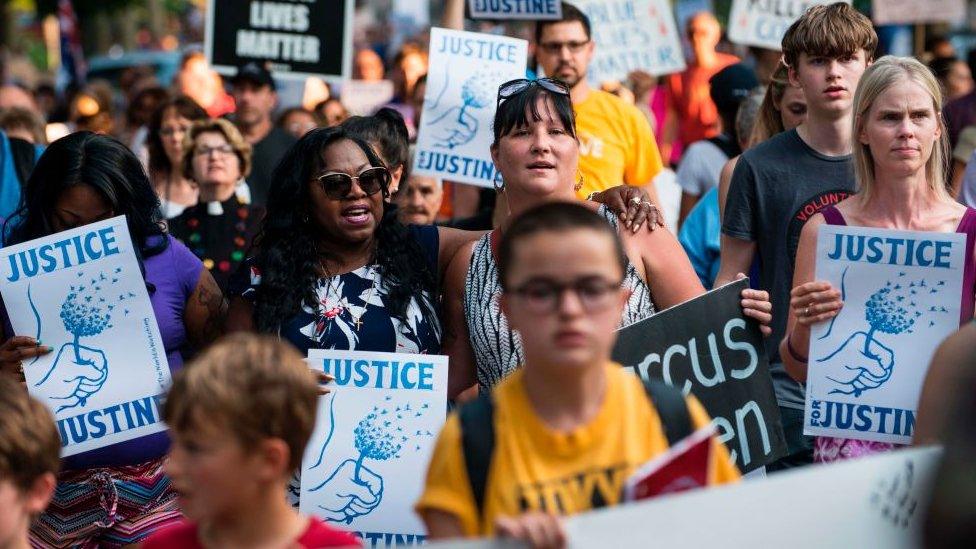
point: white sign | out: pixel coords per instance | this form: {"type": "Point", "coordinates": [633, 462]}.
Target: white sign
{"type": "Point", "coordinates": [516, 9]}
{"type": "Point", "coordinates": [763, 23]}
{"type": "Point", "coordinates": [902, 292]}
{"type": "Point", "coordinates": [896, 12]}
{"type": "Point", "coordinates": [466, 69]}
{"type": "Point", "coordinates": [876, 501]}
{"type": "Point", "coordinates": [363, 97]}
{"type": "Point", "coordinates": [365, 464]}
{"type": "Point", "coordinates": [81, 292]}
{"type": "Point", "coordinates": [632, 35]}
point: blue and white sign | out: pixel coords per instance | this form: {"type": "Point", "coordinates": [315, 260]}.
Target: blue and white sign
{"type": "Point", "coordinates": [516, 9]}
{"type": "Point", "coordinates": [632, 35]}
{"type": "Point", "coordinates": [466, 69]}
{"type": "Point", "coordinates": [763, 23]}
{"type": "Point", "coordinates": [902, 293]}
{"type": "Point", "coordinates": [366, 462]}
{"type": "Point", "coordinates": [81, 292]}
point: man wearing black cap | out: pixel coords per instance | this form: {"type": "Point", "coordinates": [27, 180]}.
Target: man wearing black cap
{"type": "Point", "coordinates": [702, 162]}
{"type": "Point", "coordinates": [256, 98]}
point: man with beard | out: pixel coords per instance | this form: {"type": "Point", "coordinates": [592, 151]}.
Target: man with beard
{"type": "Point", "coordinates": [256, 98]}
{"type": "Point", "coordinates": [616, 142]}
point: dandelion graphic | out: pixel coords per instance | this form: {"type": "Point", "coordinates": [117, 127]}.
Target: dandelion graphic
{"type": "Point", "coordinates": [893, 310]}
{"type": "Point", "coordinates": [79, 371]}
{"type": "Point", "coordinates": [374, 441]}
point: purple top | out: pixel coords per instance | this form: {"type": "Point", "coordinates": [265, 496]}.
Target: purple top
{"type": "Point", "coordinates": [174, 272]}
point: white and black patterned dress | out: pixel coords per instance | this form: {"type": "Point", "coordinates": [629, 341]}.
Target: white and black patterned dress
{"type": "Point", "coordinates": [497, 349]}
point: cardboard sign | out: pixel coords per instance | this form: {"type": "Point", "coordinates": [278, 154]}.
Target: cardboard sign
{"type": "Point", "coordinates": [516, 9]}
{"type": "Point", "coordinates": [365, 464]}
{"type": "Point", "coordinates": [466, 69]}
{"type": "Point", "coordinates": [902, 292]}
{"type": "Point", "coordinates": [363, 98]}
{"type": "Point", "coordinates": [296, 38]}
{"type": "Point", "coordinates": [897, 12]}
{"type": "Point", "coordinates": [763, 23]}
{"type": "Point", "coordinates": [81, 292]}
{"type": "Point", "coordinates": [632, 35]}
{"type": "Point", "coordinates": [706, 347]}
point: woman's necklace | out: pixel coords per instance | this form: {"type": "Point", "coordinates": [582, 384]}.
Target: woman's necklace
{"type": "Point", "coordinates": [356, 319]}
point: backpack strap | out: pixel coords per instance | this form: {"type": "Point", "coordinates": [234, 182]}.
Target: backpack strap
{"type": "Point", "coordinates": [671, 408]}
{"type": "Point", "coordinates": [478, 444]}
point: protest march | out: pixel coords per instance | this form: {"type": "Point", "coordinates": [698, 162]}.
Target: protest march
{"type": "Point", "coordinates": [487, 273]}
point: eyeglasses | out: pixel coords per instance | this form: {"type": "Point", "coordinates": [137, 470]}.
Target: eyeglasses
{"type": "Point", "coordinates": [337, 185]}
{"type": "Point", "coordinates": [519, 85]}
{"type": "Point", "coordinates": [556, 47]}
{"type": "Point", "coordinates": [222, 150]}
{"type": "Point", "coordinates": [544, 297]}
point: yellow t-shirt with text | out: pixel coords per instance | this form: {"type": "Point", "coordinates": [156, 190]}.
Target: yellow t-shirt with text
{"type": "Point", "coordinates": [616, 144]}
{"type": "Point", "coordinates": [534, 468]}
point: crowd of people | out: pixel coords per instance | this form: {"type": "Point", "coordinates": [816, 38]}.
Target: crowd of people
{"type": "Point", "coordinates": [264, 231]}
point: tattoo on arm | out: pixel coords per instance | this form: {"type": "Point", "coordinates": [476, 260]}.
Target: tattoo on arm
{"type": "Point", "coordinates": [212, 306]}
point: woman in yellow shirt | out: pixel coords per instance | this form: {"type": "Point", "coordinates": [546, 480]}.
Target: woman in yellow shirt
{"type": "Point", "coordinates": [570, 426]}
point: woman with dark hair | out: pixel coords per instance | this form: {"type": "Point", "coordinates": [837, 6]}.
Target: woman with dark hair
{"type": "Point", "coordinates": [167, 127]}
{"type": "Point", "coordinates": [387, 133]}
{"type": "Point", "coordinates": [117, 495]}
{"type": "Point", "coordinates": [537, 152]}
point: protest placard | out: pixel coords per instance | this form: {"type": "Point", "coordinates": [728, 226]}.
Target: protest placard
{"type": "Point", "coordinates": [898, 12]}
{"type": "Point", "coordinates": [81, 292]}
{"type": "Point", "coordinates": [706, 347]}
{"type": "Point", "coordinates": [902, 293]}
{"type": "Point", "coordinates": [515, 9]}
{"type": "Point", "coordinates": [365, 464]}
{"type": "Point", "coordinates": [466, 69]}
{"type": "Point", "coordinates": [363, 97]}
{"type": "Point", "coordinates": [763, 23]}
{"type": "Point", "coordinates": [632, 35]}
{"type": "Point", "coordinates": [296, 38]}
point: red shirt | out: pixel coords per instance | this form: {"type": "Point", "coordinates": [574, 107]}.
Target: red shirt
{"type": "Point", "coordinates": [184, 535]}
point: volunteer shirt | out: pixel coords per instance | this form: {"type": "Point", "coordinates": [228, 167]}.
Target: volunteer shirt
{"type": "Point", "coordinates": [776, 187]}
{"type": "Point", "coordinates": [186, 535]}
{"type": "Point", "coordinates": [616, 144]}
{"type": "Point", "coordinates": [534, 468]}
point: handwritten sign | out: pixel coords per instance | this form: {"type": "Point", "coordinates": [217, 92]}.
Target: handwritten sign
{"type": "Point", "coordinates": [706, 347]}
{"type": "Point", "coordinates": [81, 292]}
{"type": "Point", "coordinates": [466, 69]}
{"type": "Point", "coordinates": [516, 9]}
{"type": "Point", "coordinates": [902, 294]}
{"type": "Point", "coordinates": [632, 35]}
{"type": "Point", "coordinates": [896, 12]}
{"type": "Point", "coordinates": [297, 38]}
{"type": "Point", "coordinates": [365, 464]}
{"type": "Point", "coordinates": [763, 23]}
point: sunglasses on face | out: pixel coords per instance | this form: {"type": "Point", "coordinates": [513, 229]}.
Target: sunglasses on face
{"type": "Point", "coordinates": [519, 85]}
{"type": "Point", "coordinates": [338, 185]}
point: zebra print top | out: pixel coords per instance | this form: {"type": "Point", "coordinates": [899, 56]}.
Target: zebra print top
{"type": "Point", "coordinates": [497, 349]}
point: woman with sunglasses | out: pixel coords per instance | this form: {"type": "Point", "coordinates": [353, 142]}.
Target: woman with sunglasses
{"type": "Point", "coordinates": [537, 152]}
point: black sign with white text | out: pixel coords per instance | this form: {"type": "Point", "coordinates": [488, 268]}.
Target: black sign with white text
{"type": "Point", "coordinates": [294, 37]}
{"type": "Point", "coordinates": [707, 347]}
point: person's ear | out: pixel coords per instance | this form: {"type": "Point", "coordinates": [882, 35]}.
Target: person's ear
{"type": "Point", "coordinates": [862, 134]}
{"type": "Point", "coordinates": [272, 457]}
{"type": "Point", "coordinates": [793, 75]}
{"type": "Point", "coordinates": [40, 493]}
{"type": "Point", "coordinates": [494, 153]}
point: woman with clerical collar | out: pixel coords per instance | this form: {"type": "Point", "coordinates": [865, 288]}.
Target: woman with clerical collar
{"type": "Point", "coordinates": [220, 227]}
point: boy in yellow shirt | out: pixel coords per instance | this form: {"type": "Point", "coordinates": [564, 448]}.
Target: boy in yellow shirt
{"type": "Point", "coordinates": [562, 434]}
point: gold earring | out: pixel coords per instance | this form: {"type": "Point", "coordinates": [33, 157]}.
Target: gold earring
{"type": "Point", "coordinates": [579, 181]}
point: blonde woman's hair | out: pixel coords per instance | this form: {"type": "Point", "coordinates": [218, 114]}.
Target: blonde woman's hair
{"type": "Point", "coordinates": [242, 148]}
{"type": "Point", "coordinates": [886, 73]}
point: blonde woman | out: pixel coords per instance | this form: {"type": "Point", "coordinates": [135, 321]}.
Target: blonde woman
{"type": "Point", "coordinates": [899, 161]}
{"type": "Point", "coordinates": [220, 227]}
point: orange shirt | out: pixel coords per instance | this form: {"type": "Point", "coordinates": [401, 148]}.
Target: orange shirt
{"type": "Point", "coordinates": [688, 92]}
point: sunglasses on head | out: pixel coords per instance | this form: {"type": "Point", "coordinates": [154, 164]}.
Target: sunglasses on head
{"type": "Point", "coordinates": [338, 185]}
{"type": "Point", "coordinates": [519, 85]}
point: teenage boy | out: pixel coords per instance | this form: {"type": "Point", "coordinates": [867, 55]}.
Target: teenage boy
{"type": "Point", "coordinates": [780, 184]}
{"type": "Point", "coordinates": [562, 434]}
{"type": "Point", "coordinates": [240, 417]}
{"type": "Point", "coordinates": [29, 460]}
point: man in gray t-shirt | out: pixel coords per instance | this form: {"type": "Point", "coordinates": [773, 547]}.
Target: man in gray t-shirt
{"type": "Point", "coordinates": [776, 187]}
